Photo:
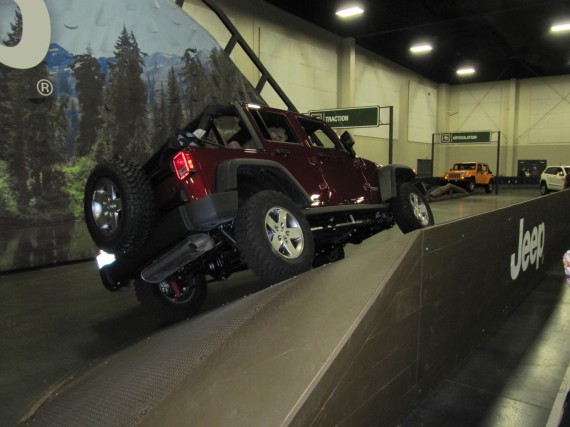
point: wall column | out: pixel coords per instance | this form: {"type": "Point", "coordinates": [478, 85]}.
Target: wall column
{"type": "Point", "coordinates": [346, 73]}
{"type": "Point", "coordinates": [444, 113]}
{"type": "Point", "coordinates": [509, 142]}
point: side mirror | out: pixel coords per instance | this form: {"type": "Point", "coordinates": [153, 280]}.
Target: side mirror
{"type": "Point", "coordinates": [348, 142]}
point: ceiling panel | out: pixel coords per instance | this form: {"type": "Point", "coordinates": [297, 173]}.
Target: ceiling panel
{"type": "Point", "coordinates": [503, 39]}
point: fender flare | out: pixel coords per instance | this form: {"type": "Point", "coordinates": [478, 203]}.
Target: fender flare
{"type": "Point", "coordinates": [388, 178]}
{"type": "Point", "coordinates": [227, 177]}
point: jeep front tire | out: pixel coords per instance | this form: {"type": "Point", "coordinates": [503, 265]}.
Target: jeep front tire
{"type": "Point", "coordinates": [411, 209]}
{"type": "Point", "coordinates": [274, 237]}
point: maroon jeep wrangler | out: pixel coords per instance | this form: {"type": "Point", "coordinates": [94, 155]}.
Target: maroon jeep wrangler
{"type": "Point", "coordinates": [241, 186]}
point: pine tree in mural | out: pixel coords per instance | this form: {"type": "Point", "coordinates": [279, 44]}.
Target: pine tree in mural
{"type": "Point", "coordinates": [89, 85]}
{"type": "Point", "coordinates": [226, 83]}
{"type": "Point", "coordinates": [47, 182]}
{"type": "Point", "coordinates": [8, 207]}
{"type": "Point", "coordinates": [174, 119]}
{"type": "Point", "coordinates": [33, 133]}
{"type": "Point", "coordinates": [196, 90]}
{"type": "Point", "coordinates": [9, 175]}
{"type": "Point", "coordinates": [159, 120]}
{"type": "Point", "coordinates": [125, 128]}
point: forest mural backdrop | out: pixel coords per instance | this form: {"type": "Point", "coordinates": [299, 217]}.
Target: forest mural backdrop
{"type": "Point", "coordinates": [118, 77]}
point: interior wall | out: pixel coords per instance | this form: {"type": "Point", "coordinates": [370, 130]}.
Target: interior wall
{"type": "Point", "coordinates": [303, 59]}
{"type": "Point", "coordinates": [530, 114]}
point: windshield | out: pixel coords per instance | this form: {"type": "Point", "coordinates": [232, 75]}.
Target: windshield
{"type": "Point", "coordinates": [464, 166]}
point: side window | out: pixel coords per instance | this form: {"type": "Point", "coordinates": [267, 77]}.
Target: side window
{"type": "Point", "coordinates": [230, 132]}
{"type": "Point", "coordinates": [274, 126]}
{"type": "Point", "coordinates": [317, 134]}
{"type": "Point", "coordinates": [484, 168]}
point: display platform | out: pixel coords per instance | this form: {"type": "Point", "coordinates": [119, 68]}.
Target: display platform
{"type": "Point", "coordinates": [303, 347]}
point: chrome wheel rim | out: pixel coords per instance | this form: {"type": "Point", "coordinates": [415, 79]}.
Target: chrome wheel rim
{"type": "Point", "coordinates": [284, 233]}
{"type": "Point", "coordinates": [420, 209]}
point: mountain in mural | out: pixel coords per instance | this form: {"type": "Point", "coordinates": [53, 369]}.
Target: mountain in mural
{"type": "Point", "coordinates": [157, 67]}
{"type": "Point", "coordinates": [158, 25]}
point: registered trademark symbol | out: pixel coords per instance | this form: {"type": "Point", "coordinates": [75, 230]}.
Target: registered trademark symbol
{"type": "Point", "coordinates": [44, 87]}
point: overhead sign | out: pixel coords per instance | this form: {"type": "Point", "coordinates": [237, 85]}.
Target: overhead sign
{"type": "Point", "coordinates": [358, 117]}
{"type": "Point", "coordinates": [466, 137]}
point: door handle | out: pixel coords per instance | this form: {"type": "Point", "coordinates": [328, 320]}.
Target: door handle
{"type": "Point", "coordinates": [323, 156]}
{"type": "Point", "coordinates": [282, 152]}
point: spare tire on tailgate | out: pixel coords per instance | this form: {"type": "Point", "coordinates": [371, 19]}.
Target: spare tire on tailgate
{"type": "Point", "coordinates": [119, 206]}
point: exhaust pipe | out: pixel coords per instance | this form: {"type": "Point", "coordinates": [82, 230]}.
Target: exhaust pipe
{"type": "Point", "coordinates": [185, 252]}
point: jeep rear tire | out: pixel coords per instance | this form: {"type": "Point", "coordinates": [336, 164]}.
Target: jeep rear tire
{"type": "Point", "coordinates": [172, 300]}
{"type": "Point", "coordinates": [411, 209]}
{"type": "Point", "coordinates": [118, 206]}
{"type": "Point", "coordinates": [489, 187]}
{"type": "Point", "coordinates": [274, 237]}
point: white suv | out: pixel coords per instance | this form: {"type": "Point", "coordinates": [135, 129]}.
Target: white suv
{"type": "Point", "coordinates": [552, 179]}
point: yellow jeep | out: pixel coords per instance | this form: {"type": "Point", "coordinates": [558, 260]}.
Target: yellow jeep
{"type": "Point", "coordinates": [470, 175]}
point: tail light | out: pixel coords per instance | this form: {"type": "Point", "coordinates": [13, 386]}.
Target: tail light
{"type": "Point", "coordinates": [183, 165]}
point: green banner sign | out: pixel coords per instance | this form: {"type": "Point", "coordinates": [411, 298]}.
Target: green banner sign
{"type": "Point", "coordinates": [358, 117]}
{"type": "Point", "coordinates": [466, 137]}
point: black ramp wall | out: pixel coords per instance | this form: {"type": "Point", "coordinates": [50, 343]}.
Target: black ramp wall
{"type": "Point", "coordinates": [456, 283]}
{"type": "Point", "coordinates": [356, 343]}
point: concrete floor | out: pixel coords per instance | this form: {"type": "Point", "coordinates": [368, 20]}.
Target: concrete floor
{"type": "Point", "coordinates": [513, 378]}
{"type": "Point", "coordinates": [57, 321]}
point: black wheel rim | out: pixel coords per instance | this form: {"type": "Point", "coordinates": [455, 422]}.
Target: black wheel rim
{"type": "Point", "coordinates": [106, 207]}
{"type": "Point", "coordinates": [177, 294]}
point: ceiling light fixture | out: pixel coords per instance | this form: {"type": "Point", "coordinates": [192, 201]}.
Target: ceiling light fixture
{"type": "Point", "coordinates": [465, 71]}
{"type": "Point", "coordinates": [349, 11]}
{"type": "Point", "coordinates": [560, 27]}
{"type": "Point", "coordinates": [421, 48]}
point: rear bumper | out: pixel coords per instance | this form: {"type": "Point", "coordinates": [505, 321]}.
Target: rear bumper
{"type": "Point", "coordinates": [199, 216]}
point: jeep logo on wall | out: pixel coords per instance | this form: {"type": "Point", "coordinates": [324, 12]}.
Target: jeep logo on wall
{"type": "Point", "coordinates": [530, 249]}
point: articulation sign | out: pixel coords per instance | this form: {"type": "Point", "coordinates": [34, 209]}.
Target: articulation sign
{"type": "Point", "coordinates": [357, 117]}
{"type": "Point", "coordinates": [466, 137]}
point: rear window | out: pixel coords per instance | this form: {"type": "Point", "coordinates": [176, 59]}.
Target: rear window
{"type": "Point", "coordinates": [274, 126]}
{"type": "Point", "coordinates": [229, 131]}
